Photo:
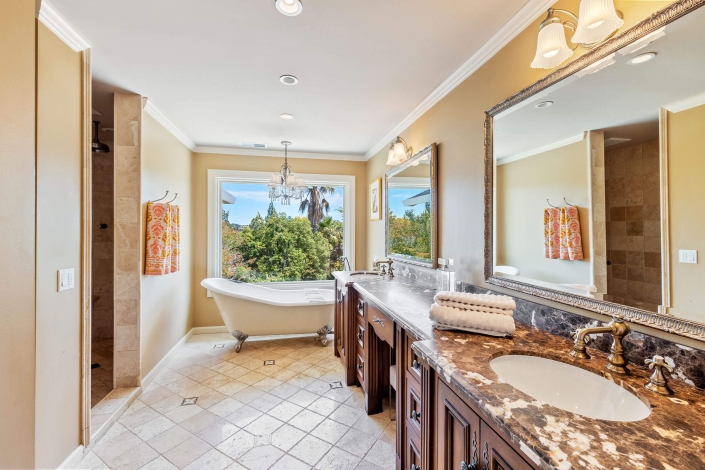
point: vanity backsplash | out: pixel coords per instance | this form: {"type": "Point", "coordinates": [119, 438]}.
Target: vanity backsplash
{"type": "Point", "coordinates": [689, 363]}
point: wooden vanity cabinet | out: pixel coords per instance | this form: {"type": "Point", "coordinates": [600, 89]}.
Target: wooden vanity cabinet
{"type": "Point", "coordinates": [345, 329]}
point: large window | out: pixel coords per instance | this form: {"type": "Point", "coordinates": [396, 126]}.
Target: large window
{"type": "Point", "coordinates": [254, 239]}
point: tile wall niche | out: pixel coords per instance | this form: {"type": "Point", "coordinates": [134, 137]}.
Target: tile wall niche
{"type": "Point", "coordinates": [127, 265]}
{"type": "Point", "coordinates": [102, 246]}
{"type": "Point", "coordinates": [633, 226]}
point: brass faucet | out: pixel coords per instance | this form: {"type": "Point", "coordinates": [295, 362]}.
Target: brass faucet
{"type": "Point", "coordinates": [382, 263]}
{"type": "Point", "coordinates": [618, 329]}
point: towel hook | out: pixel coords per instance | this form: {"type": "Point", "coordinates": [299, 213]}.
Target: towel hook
{"type": "Point", "coordinates": [165, 195]}
{"type": "Point", "coordinates": [549, 203]}
{"type": "Point", "coordinates": [175, 196]}
{"type": "Point", "coordinates": [571, 205]}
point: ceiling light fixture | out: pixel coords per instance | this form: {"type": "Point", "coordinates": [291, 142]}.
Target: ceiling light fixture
{"type": "Point", "coordinates": [289, 7]}
{"type": "Point", "coordinates": [284, 185]}
{"type": "Point", "coordinates": [288, 80]}
{"type": "Point", "coordinates": [398, 152]}
{"type": "Point", "coordinates": [544, 104]}
{"type": "Point", "coordinates": [287, 116]}
{"type": "Point", "coordinates": [641, 58]}
{"type": "Point", "coordinates": [97, 146]}
{"type": "Point", "coordinates": [598, 22]}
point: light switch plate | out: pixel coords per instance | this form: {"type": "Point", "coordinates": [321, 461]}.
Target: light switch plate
{"type": "Point", "coordinates": [688, 256]}
{"type": "Point", "coordinates": [65, 279]}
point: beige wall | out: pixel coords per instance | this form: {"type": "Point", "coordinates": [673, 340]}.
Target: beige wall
{"type": "Point", "coordinates": [17, 229]}
{"type": "Point", "coordinates": [58, 317]}
{"type": "Point", "coordinates": [456, 124]}
{"type": "Point", "coordinates": [522, 188]}
{"type": "Point", "coordinates": [686, 172]}
{"type": "Point", "coordinates": [166, 300]}
{"type": "Point", "coordinates": [205, 311]}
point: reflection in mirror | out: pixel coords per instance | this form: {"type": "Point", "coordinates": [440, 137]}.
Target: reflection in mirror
{"type": "Point", "coordinates": [600, 178]}
{"type": "Point", "coordinates": [411, 212]}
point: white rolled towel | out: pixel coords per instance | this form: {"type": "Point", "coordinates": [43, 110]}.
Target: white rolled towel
{"type": "Point", "coordinates": [477, 308]}
{"type": "Point", "coordinates": [503, 302]}
{"type": "Point", "coordinates": [484, 322]}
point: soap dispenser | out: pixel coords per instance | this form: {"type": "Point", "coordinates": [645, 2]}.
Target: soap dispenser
{"type": "Point", "coordinates": [445, 278]}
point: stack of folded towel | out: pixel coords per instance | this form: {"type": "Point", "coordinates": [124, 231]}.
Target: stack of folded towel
{"type": "Point", "coordinates": [478, 313]}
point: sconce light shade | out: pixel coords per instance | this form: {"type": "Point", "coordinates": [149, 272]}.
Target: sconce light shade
{"type": "Point", "coordinates": [391, 157]}
{"type": "Point", "coordinates": [552, 48]}
{"type": "Point", "coordinates": [597, 20]}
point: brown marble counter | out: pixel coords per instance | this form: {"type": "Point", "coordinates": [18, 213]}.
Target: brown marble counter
{"type": "Point", "coordinates": [672, 437]}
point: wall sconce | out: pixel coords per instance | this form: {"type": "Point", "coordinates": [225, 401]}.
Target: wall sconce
{"type": "Point", "coordinates": [598, 21]}
{"type": "Point", "coordinates": [398, 152]}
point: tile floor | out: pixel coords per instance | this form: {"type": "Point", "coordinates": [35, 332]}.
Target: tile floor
{"type": "Point", "coordinates": [248, 415]}
{"type": "Point", "coordinates": [101, 377]}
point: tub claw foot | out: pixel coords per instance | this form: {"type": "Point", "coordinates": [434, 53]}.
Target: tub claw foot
{"type": "Point", "coordinates": [240, 337]}
{"type": "Point", "coordinates": [323, 335]}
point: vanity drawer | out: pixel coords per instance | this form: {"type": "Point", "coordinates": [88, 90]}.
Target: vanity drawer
{"type": "Point", "coordinates": [360, 336]}
{"type": "Point", "coordinates": [412, 450]}
{"type": "Point", "coordinates": [413, 362]}
{"type": "Point", "coordinates": [360, 308]}
{"type": "Point", "coordinates": [383, 326]}
{"type": "Point", "coordinates": [360, 368]}
{"type": "Point", "coordinates": [413, 406]}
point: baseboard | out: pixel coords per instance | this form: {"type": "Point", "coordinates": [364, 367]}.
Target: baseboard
{"type": "Point", "coordinates": [209, 330]}
{"type": "Point", "coordinates": [73, 459]}
{"type": "Point", "coordinates": [165, 360]}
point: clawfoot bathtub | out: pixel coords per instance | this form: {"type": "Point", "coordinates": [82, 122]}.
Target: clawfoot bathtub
{"type": "Point", "coordinates": [249, 309]}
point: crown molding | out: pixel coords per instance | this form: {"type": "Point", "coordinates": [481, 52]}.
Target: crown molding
{"type": "Point", "coordinates": [687, 103]}
{"type": "Point", "coordinates": [516, 24]}
{"type": "Point", "coordinates": [51, 18]}
{"type": "Point", "coordinates": [530, 153]}
{"type": "Point", "coordinates": [279, 153]}
{"type": "Point", "coordinates": [168, 125]}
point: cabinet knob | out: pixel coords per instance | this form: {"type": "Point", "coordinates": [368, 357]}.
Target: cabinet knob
{"type": "Point", "coordinates": [464, 466]}
{"type": "Point", "coordinates": [359, 367]}
{"type": "Point", "coordinates": [359, 336]}
{"type": "Point", "coordinates": [360, 306]}
{"type": "Point", "coordinates": [415, 467]}
{"type": "Point", "coordinates": [415, 365]}
{"type": "Point", "coordinates": [378, 320]}
{"type": "Point", "coordinates": [416, 415]}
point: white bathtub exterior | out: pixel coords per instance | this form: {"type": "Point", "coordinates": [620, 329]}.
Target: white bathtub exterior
{"type": "Point", "coordinates": [257, 310]}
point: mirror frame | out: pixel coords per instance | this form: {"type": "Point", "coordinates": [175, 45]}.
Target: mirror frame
{"type": "Point", "coordinates": [660, 321]}
{"type": "Point", "coordinates": [432, 152]}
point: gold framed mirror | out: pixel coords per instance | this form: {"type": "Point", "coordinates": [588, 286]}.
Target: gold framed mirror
{"type": "Point", "coordinates": [594, 178]}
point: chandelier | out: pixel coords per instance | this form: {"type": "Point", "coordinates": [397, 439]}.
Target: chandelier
{"type": "Point", "coordinates": [284, 185]}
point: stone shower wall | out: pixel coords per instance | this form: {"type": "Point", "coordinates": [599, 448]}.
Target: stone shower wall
{"type": "Point", "coordinates": [102, 246]}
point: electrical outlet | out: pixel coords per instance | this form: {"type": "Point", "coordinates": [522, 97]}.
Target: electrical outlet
{"type": "Point", "coordinates": [688, 256]}
{"type": "Point", "coordinates": [65, 279]}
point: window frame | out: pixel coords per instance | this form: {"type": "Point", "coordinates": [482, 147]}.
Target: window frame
{"type": "Point", "coordinates": [216, 178]}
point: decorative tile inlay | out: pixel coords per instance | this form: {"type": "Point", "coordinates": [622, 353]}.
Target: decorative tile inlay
{"type": "Point", "coordinates": [263, 440]}
{"type": "Point", "coordinates": [219, 346]}
{"type": "Point", "coordinates": [334, 385]}
{"type": "Point", "coordinates": [189, 401]}
{"type": "Point", "coordinates": [269, 362]}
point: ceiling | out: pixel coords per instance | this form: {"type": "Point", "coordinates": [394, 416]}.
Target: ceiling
{"type": "Point", "coordinates": [213, 67]}
{"type": "Point", "coordinates": [621, 99]}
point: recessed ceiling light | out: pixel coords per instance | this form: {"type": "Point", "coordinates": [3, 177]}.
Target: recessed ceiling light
{"type": "Point", "coordinates": [544, 104]}
{"type": "Point", "coordinates": [288, 80]}
{"type": "Point", "coordinates": [289, 7]}
{"type": "Point", "coordinates": [641, 58]}
{"type": "Point", "coordinates": [287, 116]}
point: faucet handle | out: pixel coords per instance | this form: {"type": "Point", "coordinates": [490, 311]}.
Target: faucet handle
{"type": "Point", "coordinates": [587, 339]}
{"type": "Point", "coordinates": [657, 382]}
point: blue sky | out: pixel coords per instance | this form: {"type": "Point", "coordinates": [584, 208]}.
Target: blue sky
{"type": "Point", "coordinates": [254, 198]}
{"type": "Point", "coordinates": [398, 195]}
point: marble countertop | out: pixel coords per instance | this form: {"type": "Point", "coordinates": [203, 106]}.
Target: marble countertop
{"type": "Point", "coordinates": [672, 437]}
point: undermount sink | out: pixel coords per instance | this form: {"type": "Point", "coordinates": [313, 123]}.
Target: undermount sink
{"type": "Point", "coordinates": [365, 273]}
{"type": "Point", "coordinates": [569, 388]}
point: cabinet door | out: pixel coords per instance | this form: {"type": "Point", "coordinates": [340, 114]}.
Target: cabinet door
{"type": "Point", "coordinates": [457, 430]}
{"type": "Point", "coordinates": [338, 328]}
{"type": "Point", "coordinates": [497, 454]}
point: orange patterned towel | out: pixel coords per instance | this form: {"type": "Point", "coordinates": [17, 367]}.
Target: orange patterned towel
{"type": "Point", "coordinates": [158, 258]}
{"type": "Point", "coordinates": [551, 233]}
{"type": "Point", "coordinates": [175, 226]}
{"type": "Point", "coordinates": [571, 242]}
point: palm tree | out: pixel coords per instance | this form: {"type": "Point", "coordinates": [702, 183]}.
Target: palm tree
{"type": "Point", "coordinates": [315, 204]}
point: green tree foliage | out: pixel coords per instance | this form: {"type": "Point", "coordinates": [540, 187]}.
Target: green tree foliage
{"type": "Point", "coordinates": [315, 204]}
{"type": "Point", "coordinates": [411, 234]}
{"type": "Point", "coordinates": [232, 259]}
{"type": "Point", "coordinates": [332, 231]}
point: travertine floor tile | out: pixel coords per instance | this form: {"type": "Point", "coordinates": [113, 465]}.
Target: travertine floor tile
{"type": "Point", "coordinates": [310, 449]}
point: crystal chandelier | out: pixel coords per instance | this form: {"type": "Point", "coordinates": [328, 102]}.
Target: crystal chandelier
{"type": "Point", "coordinates": [284, 185]}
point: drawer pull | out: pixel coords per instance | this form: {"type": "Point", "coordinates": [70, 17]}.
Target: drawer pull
{"type": "Point", "coordinates": [359, 367]}
{"type": "Point", "coordinates": [377, 320]}
{"type": "Point", "coordinates": [416, 366]}
{"type": "Point", "coordinates": [360, 307]}
{"type": "Point", "coordinates": [415, 467]}
{"type": "Point", "coordinates": [359, 336]}
{"type": "Point", "coordinates": [464, 466]}
{"type": "Point", "coordinates": [416, 416]}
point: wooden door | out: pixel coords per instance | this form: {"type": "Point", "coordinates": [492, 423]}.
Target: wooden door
{"type": "Point", "coordinates": [497, 454]}
{"type": "Point", "coordinates": [457, 431]}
